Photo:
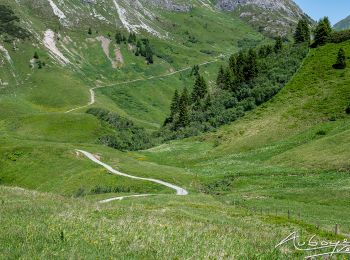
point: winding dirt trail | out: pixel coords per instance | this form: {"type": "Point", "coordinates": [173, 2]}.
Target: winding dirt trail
{"type": "Point", "coordinates": [92, 90]}
{"type": "Point", "coordinates": [179, 191]}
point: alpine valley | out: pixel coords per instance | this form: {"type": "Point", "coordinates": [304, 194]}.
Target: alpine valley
{"type": "Point", "coordinates": [171, 129]}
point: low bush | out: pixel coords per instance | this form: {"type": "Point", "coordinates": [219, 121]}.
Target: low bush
{"type": "Point", "coordinates": [125, 136]}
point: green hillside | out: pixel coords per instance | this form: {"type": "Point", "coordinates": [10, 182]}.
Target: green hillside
{"type": "Point", "coordinates": [281, 167]}
{"type": "Point", "coordinates": [96, 59]}
{"type": "Point", "coordinates": [289, 153]}
{"type": "Point", "coordinates": [34, 100]}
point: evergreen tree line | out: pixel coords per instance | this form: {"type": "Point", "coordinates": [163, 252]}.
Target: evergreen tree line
{"type": "Point", "coordinates": [144, 49]}
{"type": "Point", "coordinates": [249, 79]}
{"type": "Point", "coordinates": [121, 38]}
{"type": "Point", "coordinates": [324, 33]}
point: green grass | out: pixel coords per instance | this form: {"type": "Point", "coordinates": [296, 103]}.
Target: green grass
{"type": "Point", "coordinates": [56, 127]}
{"type": "Point", "coordinates": [148, 102]}
{"type": "Point", "coordinates": [197, 226]}
{"type": "Point", "coordinates": [288, 154]}
{"type": "Point", "coordinates": [56, 167]}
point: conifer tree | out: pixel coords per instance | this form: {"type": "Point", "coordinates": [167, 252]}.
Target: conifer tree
{"type": "Point", "coordinates": [233, 64]}
{"type": "Point", "coordinates": [341, 60]}
{"type": "Point", "coordinates": [90, 31]}
{"type": "Point", "coordinates": [138, 48]}
{"type": "Point", "coordinates": [195, 70]}
{"type": "Point", "coordinates": [240, 63]}
{"type": "Point", "coordinates": [174, 109]}
{"type": "Point", "coordinates": [220, 81]}
{"type": "Point", "coordinates": [36, 56]}
{"type": "Point", "coordinates": [228, 79]}
{"type": "Point", "coordinates": [123, 38]}
{"type": "Point", "coordinates": [149, 54]}
{"type": "Point", "coordinates": [322, 32]}
{"type": "Point", "coordinates": [278, 45]}
{"type": "Point", "coordinates": [302, 32]}
{"type": "Point", "coordinates": [185, 97]}
{"type": "Point", "coordinates": [183, 119]}
{"type": "Point", "coordinates": [207, 102]}
{"type": "Point", "coordinates": [251, 66]}
{"type": "Point", "coordinates": [200, 89]}
{"type": "Point", "coordinates": [118, 37]}
{"type": "Point", "coordinates": [132, 38]}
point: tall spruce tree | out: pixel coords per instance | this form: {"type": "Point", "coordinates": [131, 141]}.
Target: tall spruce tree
{"type": "Point", "coordinates": [118, 37]}
{"type": "Point", "coordinates": [195, 70]}
{"type": "Point", "coordinates": [302, 32]}
{"type": "Point", "coordinates": [185, 97]}
{"type": "Point", "coordinates": [322, 32]}
{"type": "Point", "coordinates": [341, 60]}
{"type": "Point", "coordinates": [220, 80]}
{"type": "Point", "coordinates": [228, 79]}
{"type": "Point", "coordinates": [149, 54]}
{"type": "Point", "coordinates": [251, 66]}
{"type": "Point", "coordinates": [240, 63]}
{"type": "Point", "coordinates": [200, 89]}
{"type": "Point", "coordinates": [174, 109]}
{"type": "Point", "coordinates": [183, 119]}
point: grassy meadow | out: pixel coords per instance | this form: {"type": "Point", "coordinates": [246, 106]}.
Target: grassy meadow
{"type": "Point", "coordinates": [289, 154]}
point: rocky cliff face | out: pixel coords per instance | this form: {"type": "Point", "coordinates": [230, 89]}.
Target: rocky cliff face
{"type": "Point", "coordinates": [271, 17]}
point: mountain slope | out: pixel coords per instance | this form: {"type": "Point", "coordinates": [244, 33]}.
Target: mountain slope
{"type": "Point", "coordinates": [316, 97]}
{"type": "Point", "coordinates": [343, 24]}
{"type": "Point", "coordinates": [277, 17]}
{"type": "Point", "coordinates": [180, 38]}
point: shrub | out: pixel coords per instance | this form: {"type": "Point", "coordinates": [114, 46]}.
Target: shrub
{"type": "Point", "coordinates": [103, 190]}
{"type": "Point", "coordinates": [341, 60]}
{"type": "Point", "coordinates": [338, 37]}
{"type": "Point", "coordinates": [321, 132]}
{"type": "Point", "coordinates": [126, 136]}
